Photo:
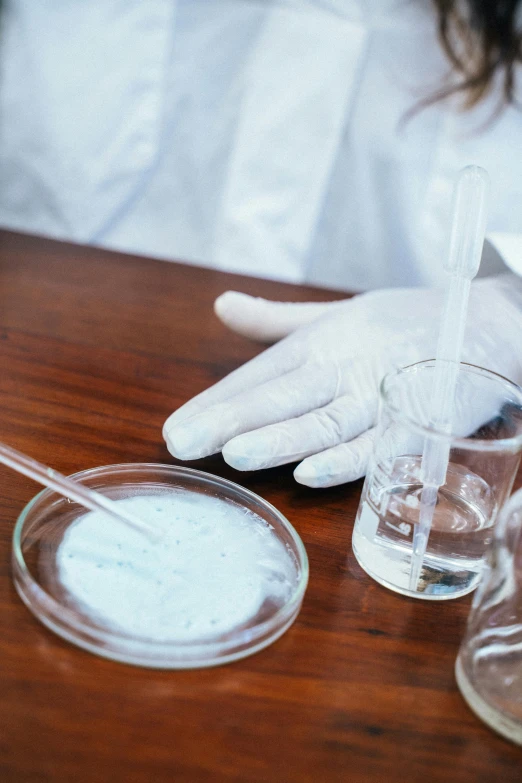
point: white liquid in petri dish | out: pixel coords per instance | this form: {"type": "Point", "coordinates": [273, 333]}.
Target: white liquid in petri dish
{"type": "Point", "coordinates": [217, 567]}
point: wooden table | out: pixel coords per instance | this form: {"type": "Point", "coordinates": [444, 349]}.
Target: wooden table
{"type": "Point", "coordinates": [97, 349]}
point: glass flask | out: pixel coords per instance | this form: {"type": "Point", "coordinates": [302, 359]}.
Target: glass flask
{"type": "Point", "coordinates": [489, 663]}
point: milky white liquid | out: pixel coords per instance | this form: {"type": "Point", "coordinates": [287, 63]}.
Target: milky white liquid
{"type": "Point", "coordinates": [217, 567]}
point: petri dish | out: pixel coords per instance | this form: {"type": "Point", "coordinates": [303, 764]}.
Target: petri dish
{"type": "Point", "coordinates": [225, 578]}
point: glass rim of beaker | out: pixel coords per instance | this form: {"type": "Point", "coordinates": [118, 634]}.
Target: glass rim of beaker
{"type": "Point", "coordinates": [512, 444]}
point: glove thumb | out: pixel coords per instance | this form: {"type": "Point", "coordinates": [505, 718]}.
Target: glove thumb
{"type": "Point", "coordinates": [263, 320]}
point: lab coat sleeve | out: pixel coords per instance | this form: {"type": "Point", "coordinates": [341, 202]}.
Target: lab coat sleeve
{"type": "Point", "coordinates": [509, 246]}
{"type": "Point", "coordinates": [81, 107]}
{"type": "Point", "coordinates": [302, 77]}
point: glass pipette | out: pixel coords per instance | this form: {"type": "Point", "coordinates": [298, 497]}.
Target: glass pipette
{"type": "Point", "coordinates": [69, 488]}
{"type": "Point", "coordinates": [466, 241]}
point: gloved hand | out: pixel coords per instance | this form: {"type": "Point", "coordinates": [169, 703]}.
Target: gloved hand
{"type": "Point", "coordinates": [313, 396]}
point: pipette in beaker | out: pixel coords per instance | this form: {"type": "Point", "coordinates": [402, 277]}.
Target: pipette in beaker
{"type": "Point", "coordinates": [71, 489]}
{"type": "Point", "coordinates": [466, 241]}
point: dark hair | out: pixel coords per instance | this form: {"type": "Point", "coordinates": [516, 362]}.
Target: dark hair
{"type": "Point", "coordinates": [484, 44]}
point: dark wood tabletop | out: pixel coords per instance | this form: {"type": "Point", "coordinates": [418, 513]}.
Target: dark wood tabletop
{"type": "Point", "coordinates": [97, 349]}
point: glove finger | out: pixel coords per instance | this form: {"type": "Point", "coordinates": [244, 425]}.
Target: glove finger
{"type": "Point", "coordinates": [338, 422]}
{"type": "Point", "coordinates": [275, 362]}
{"type": "Point", "coordinates": [346, 462]}
{"type": "Point", "coordinates": [349, 461]}
{"type": "Point", "coordinates": [261, 319]}
{"type": "Point", "coordinates": [290, 395]}
{"type": "Point", "coordinates": [269, 365]}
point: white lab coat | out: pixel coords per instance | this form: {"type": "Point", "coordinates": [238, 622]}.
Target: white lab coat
{"type": "Point", "coordinates": [257, 136]}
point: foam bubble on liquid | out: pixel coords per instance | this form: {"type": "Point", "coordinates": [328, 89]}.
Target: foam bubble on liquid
{"type": "Point", "coordinates": [214, 568]}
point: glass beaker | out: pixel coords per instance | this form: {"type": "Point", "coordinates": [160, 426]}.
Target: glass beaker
{"type": "Point", "coordinates": [489, 663]}
{"type": "Point", "coordinates": [484, 449]}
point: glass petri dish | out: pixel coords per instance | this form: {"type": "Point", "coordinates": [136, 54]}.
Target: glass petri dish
{"type": "Point", "coordinates": [226, 578]}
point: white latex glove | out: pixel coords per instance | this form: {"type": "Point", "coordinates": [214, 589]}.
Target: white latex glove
{"type": "Point", "coordinates": [313, 396]}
